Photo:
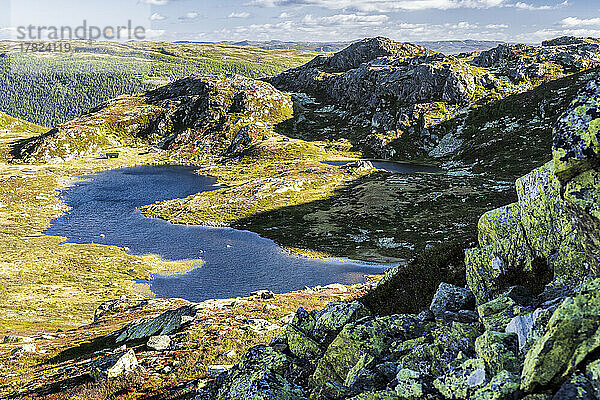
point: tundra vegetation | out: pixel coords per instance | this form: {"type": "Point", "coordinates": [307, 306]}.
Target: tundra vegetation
{"type": "Point", "coordinates": [514, 309]}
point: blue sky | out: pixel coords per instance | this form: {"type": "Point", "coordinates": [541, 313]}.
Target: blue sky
{"type": "Point", "coordinates": [529, 21]}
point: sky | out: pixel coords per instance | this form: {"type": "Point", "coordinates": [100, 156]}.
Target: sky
{"type": "Point", "coordinates": [525, 21]}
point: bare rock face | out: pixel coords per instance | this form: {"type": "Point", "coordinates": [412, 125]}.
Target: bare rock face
{"type": "Point", "coordinates": [386, 88]}
{"type": "Point", "coordinates": [197, 117]}
{"type": "Point", "coordinates": [520, 62]}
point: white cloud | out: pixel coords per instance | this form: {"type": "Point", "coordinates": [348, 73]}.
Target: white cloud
{"type": "Point", "coordinates": [239, 15]}
{"type": "Point", "coordinates": [155, 2]}
{"type": "Point", "coordinates": [573, 22]}
{"type": "Point", "coordinates": [406, 5]}
{"type": "Point", "coordinates": [284, 15]}
{"type": "Point", "coordinates": [155, 33]}
{"type": "Point", "coordinates": [345, 19]}
{"type": "Point", "coordinates": [496, 26]}
{"type": "Point", "coordinates": [547, 34]}
{"type": "Point", "coordinates": [384, 5]}
{"type": "Point", "coordinates": [530, 7]}
{"type": "Point", "coordinates": [190, 16]}
{"type": "Point", "coordinates": [157, 17]}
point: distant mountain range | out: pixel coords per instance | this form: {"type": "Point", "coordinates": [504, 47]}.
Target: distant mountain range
{"type": "Point", "coordinates": [443, 46]}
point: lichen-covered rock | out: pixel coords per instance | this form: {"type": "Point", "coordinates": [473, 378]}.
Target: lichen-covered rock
{"type": "Point", "coordinates": [433, 353]}
{"type": "Point", "coordinates": [166, 323]}
{"type": "Point", "coordinates": [499, 351]}
{"type": "Point", "coordinates": [451, 298]}
{"type": "Point", "coordinates": [534, 238]}
{"type": "Point", "coordinates": [504, 386]}
{"type": "Point", "coordinates": [335, 315]}
{"type": "Point", "coordinates": [366, 338]}
{"type": "Point", "coordinates": [409, 386]}
{"type": "Point", "coordinates": [572, 334]}
{"type": "Point", "coordinates": [578, 387]}
{"type": "Point", "coordinates": [462, 382]}
{"type": "Point", "coordinates": [592, 372]}
{"type": "Point", "coordinates": [199, 116]}
{"type": "Point", "coordinates": [300, 344]}
{"type": "Point", "coordinates": [575, 145]}
{"type": "Point", "coordinates": [258, 376]}
{"type": "Point", "coordinates": [380, 395]}
{"type": "Point", "coordinates": [521, 62]}
{"type": "Point", "coordinates": [498, 313]}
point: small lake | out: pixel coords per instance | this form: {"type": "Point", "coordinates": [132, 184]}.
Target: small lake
{"type": "Point", "coordinates": [394, 167]}
{"type": "Point", "coordinates": [105, 209]}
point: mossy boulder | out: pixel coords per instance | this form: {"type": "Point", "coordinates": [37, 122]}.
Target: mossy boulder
{"type": "Point", "coordinates": [572, 334]}
{"type": "Point", "coordinates": [258, 376]}
{"type": "Point", "coordinates": [499, 351]}
{"type": "Point", "coordinates": [359, 341]}
{"type": "Point", "coordinates": [531, 242]}
{"type": "Point", "coordinates": [576, 147]}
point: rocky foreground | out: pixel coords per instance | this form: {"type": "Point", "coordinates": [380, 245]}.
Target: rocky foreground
{"type": "Point", "coordinates": [527, 326]}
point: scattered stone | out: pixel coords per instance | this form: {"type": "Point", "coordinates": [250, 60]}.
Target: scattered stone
{"type": "Point", "coordinates": [116, 306]}
{"type": "Point", "coordinates": [216, 370]}
{"type": "Point", "coordinates": [165, 324]}
{"type": "Point", "coordinates": [230, 354]}
{"type": "Point", "coordinates": [451, 298]}
{"type": "Point", "coordinates": [263, 294]}
{"type": "Point", "coordinates": [114, 365]}
{"type": "Point", "coordinates": [25, 348]}
{"type": "Point", "coordinates": [16, 339]}
{"type": "Point", "coordinates": [359, 166]}
{"type": "Point", "coordinates": [259, 326]}
{"type": "Point", "coordinates": [287, 319]}
{"type": "Point", "coordinates": [337, 286]}
{"type": "Point", "coordinates": [159, 343]}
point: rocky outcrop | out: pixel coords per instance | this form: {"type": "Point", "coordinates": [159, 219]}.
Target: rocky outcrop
{"type": "Point", "coordinates": [201, 116]}
{"type": "Point", "coordinates": [552, 232]}
{"type": "Point", "coordinates": [165, 324]}
{"type": "Point", "coordinates": [520, 62]}
{"type": "Point", "coordinates": [539, 341]}
{"type": "Point", "coordinates": [387, 86]}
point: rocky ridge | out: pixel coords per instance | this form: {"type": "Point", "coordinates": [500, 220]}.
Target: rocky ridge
{"type": "Point", "coordinates": [536, 340]}
{"type": "Point", "coordinates": [197, 117]}
{"type": "Point", "coordinates": [398, 93]}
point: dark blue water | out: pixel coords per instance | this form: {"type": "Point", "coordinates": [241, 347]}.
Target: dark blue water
{"type": "Point", "coordinates": [236, 262]}
{"type": "Point", "coordinates": [394, 167]}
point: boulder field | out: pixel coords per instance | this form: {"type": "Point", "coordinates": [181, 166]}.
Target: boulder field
{"type": "Point", "coordinates": [526, 327]}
